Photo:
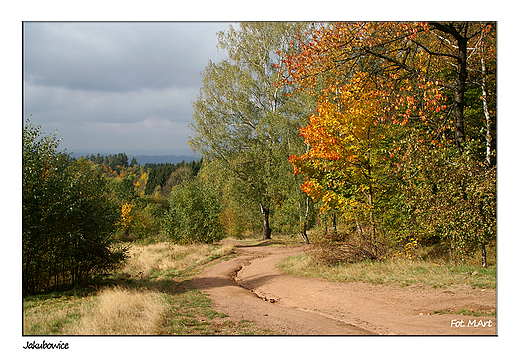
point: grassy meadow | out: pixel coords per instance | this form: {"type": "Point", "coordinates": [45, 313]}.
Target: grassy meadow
{"type": "Point", "coordinates": [150, 295]}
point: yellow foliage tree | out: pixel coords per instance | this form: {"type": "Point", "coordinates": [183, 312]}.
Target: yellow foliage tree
{"type": "Point", "coordinates": [346, 164]}
{"type": "Point", "coordinates": [127, 218]}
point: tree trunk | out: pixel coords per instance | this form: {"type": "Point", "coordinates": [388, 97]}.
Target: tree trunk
{"type": "Point", "coordinates": [460, 90]}
{"type": "Point", "coordinates": [484, 254]}
{"type": "Point", "coordinates": [266, 232]}
{"type": "Point", "coordinates": [371, 200]}
{"type": "Point", "coordinates": [488, 140]}
{"type": "Point", "coordinates": [486, 113]}
{"type": "Point", "coordinates": [303, 234]}
{"type": "Point", "coordinates": [462, 76]}
{"type": "Point", "coordinates": [372, 220]}
{"type": "Point", "coordinates": [359, 230]}
{"type": "Point", "coordinates": [303, 221]}
{"type": "Point", "coordinates": [370, 195]}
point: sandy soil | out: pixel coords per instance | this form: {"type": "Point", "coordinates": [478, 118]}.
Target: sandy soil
{"type": "Point", "coordinates": [251, 287]}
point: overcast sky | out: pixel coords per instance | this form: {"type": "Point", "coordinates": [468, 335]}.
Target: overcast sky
{"type": "Point", "coordinates": [117, 86]}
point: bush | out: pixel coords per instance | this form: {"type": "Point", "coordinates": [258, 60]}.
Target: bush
{"type": "Point", "coordinates": [351, 247]}
{"type": "Point", "coordinates": [194, 214]}
{"type": "Point", "coordinates": [68, 219]}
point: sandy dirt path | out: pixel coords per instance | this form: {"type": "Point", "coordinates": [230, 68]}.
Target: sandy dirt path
{"type": "Point", "coordinates": [251, 287]}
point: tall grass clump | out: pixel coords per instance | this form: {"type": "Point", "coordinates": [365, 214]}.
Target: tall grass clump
{"type": "Point", "coordinates": [121, 311]}
{"type": "Point", "coordinates": [350, 257]}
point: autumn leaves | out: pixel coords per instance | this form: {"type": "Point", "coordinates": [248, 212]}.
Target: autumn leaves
{"type": "Point", "coordinates": [389, 113]}
{"type": "Point", "coordinates": [386, 93]}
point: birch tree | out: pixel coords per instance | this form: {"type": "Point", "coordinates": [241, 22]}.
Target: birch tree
{"type": "Point", "coordinates": [242, 120]}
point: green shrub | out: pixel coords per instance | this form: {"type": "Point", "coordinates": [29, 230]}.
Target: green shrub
{"type": "Point", "coordinates": [194, 214]}
{"type": "Point", "coordinates": [68, 219]}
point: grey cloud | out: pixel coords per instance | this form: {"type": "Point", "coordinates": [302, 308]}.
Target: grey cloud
{"type": "Point", "coordinates": [117, 56]}
{"type": "Point", "coordinates": [116, 85]}
{"type": "Point", "coordinates": [52, 103]}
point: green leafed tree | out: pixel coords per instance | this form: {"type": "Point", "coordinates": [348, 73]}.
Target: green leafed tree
{"type": "Point", "coordinates": [194, 214]}
{"type": "Point", "coordinates": [245, 123]}
{"type": "Point", "coordinates": [68, 218]}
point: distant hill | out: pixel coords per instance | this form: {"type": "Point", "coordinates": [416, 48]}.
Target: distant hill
{"type": "Point", "coordinates": [143, 159]}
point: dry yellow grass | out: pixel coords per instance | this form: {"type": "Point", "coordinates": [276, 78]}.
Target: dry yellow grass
{"type": "Point", "coordinates": [165, 256]}
{"type": "Point", "coordinates": [53, 316]}
{"type": "Point", "coordinates": [122, 311]}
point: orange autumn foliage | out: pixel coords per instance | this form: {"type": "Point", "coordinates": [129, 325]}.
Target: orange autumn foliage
{"type": "Point", "coordinates": [344, 141]}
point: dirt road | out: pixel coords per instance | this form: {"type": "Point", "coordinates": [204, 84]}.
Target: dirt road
{"type": "Point", "coordinates": [251, 287]}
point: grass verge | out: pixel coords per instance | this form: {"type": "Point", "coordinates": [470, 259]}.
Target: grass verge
{"type": "Point", "coordinates": [400, 272]}
{"type": "Point", "coordinates": [465, 312]}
